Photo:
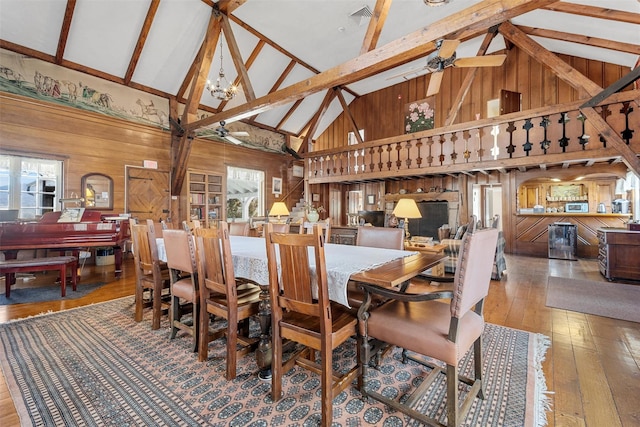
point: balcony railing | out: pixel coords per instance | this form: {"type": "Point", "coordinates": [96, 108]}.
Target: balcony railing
{"type": "Point", "coordinates": [536, 137]}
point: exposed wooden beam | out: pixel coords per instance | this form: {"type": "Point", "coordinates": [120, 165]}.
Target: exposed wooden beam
{"type": "Point", "coordinates": [503, 171]}
{"type": "Point", "coordinates": [595, 12]}
{"type": "Point", "coordinates": [522, 168]}
{"type": "Point", "coordinates": [236, 55]}
{"type": "Point", "coordinates": [480, 15]}
{"type": "Point", "coordinates": [349, 116]}
{"type": "Point", "coordinates": [589, 163]}
{"type": "Point", "coordinates": [142, 38]}
{"type": "Point", "coordinates": [543, 166]}
{"type": "Point", "coordinates": [566, 165]}
{"type": "Point", "coordinates": [631, 48]}
{"type": "Point", "coordinates": [564, 71]}
{"type": "Point", "coordinates": [64, 30]}
{"type": "Point", "coordinates": [482, 171]}
{"type": "Point", "coordinates": [380, 12]}
{"type": "Point", "coordinates": [191, 107]}
{"type": "Point", "coordinates": [313, 124]}
{"type": "Point", "coordinates": [468, 79]}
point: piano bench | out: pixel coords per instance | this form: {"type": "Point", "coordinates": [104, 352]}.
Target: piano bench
{"type": "Point", "coordinates": [60, 263]}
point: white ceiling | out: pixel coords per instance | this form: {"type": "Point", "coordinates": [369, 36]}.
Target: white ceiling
{"type": "Point", "coordinates": [320, 33]}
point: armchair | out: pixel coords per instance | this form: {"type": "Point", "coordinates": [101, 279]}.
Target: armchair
{"type": "Point", "coordinates": [428, 328]}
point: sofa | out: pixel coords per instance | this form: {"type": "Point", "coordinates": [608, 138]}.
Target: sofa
{"type": "Point", "coordinates": [453, 248]}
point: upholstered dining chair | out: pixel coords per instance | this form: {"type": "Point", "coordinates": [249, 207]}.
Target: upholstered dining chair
{"type": "Point", "coordinates": [152, 276]}
{"type": "Point", "coordinates": [308, 227]}
{"type": "Point", "coordinates": [224, 295]}
{"type": "Point", "coordinates": [238, 228]}
{"type": "Point", "coordinates": [181, 260]}
{"type": "Point", "coordinates": [375, 237]}
{"type": "Point", "coordinates": [422, 324]}
{"type": "Point", "coordinates": [298, 315]}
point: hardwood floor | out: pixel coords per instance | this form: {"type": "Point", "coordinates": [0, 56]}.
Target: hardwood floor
{"type": "Point", "coordinates": [592, 367]}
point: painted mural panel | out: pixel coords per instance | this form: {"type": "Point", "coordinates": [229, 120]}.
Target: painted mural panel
{"type": "Point", "coordinates": [33, 78]}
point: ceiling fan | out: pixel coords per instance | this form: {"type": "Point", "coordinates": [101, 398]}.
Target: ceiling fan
{"type": "Point", "coordinates": [445, 56]}
{"type": "Point", "coordinates": [223, 132]}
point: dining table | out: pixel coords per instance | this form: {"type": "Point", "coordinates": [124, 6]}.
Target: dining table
{"type": "Point", "coordinates": [344, 263]}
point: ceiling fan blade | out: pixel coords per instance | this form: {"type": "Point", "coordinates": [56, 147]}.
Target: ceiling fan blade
{"type": "Point", "coordinates": [240, 133]}
{"type": "Point", "coordinates": [434, 84]}
{"type": "Point", "coordinates": [480, 61]}
{"type": "Point", "coordinates": [448, 48]}
{"type": "Point", "coordinates": [233, 140]}
{"type": "Point", "coordinates": [407, 73]}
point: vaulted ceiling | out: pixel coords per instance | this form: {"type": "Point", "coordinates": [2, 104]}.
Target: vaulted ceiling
{"type": "Point", "coordinates": [276, 49]}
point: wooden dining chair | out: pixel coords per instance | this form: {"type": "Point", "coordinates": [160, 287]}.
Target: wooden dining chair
{"type": "Point", "coordinates": [299, 315]}
{"type": "Point", "coordinates": [181, 260]}
{"type": "Point", "coordinates": [280, 228]}
{"type": "Point", "coordinates": [307, 228]}
{"type": "Point", "coordinates": [422, 324]}
{"type": "Point", "coordinates": [224, 295]}
{"type": "Point", "coordinates": [152, 277]}
{"type": "Point", "coordinates": [238, 228]}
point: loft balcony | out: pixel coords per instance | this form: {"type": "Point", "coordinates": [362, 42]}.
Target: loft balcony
{"type": "Point", "coordinates": [557, 136]}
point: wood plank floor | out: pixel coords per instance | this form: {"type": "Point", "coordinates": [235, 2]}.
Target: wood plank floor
{"type": "Point", "coordinates": [592, 368]}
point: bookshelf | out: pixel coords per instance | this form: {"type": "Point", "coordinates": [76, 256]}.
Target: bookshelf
{"type": "Point", "coordinates": [206, 197]}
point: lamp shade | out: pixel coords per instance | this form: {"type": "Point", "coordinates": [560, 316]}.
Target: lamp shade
{"type": "Point", "coordinates": [278, 208]}
{"type": "Point", "coordinates": [407, 208]}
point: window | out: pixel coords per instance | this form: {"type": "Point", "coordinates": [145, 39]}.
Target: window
{"type": "Point", "coordinates": [245, 193]}
{"type": "Point", "coordinates": [29, 184]}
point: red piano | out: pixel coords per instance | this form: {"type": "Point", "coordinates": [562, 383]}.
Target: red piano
{"type": "Point", "coordinates": [48, 233]}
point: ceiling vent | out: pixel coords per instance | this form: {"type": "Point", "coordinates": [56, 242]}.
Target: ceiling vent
{"type": "Point", "coordinates": [361, 15]}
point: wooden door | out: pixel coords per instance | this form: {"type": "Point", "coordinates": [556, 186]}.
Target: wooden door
{"type": "Point", "coordinates": [148, 194]}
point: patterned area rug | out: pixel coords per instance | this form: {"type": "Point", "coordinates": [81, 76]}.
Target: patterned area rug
{"type": "Point", "coordinates": [95, 366]}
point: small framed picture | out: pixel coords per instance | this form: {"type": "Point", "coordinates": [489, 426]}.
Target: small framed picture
{"type": "Point", "coordinates": [371, 199]}
{"type": "Point", "coordinates": [315, 197]}
{"type": "Point", "coordinates": [276, 184]}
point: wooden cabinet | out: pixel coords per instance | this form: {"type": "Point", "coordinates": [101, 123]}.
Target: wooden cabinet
{"type": "Point", "coordinates": [206, 197]}
{"type": "Point", "coordinates": [618, 253]}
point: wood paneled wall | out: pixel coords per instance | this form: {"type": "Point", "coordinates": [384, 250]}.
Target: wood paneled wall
{"type": "Point", "coordinates": [380, 114]}
{"type": "Point", "coordinates": [89, 142]}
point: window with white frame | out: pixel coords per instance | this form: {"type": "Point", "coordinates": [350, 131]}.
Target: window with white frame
{"type": "Point", "coordinates": [29, 184]}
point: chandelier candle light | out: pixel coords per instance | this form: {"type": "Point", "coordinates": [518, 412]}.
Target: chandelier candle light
{"type": "Point", "coordinates": [222, 93]}
{"type": "Point", "coordinates": [407, 208]}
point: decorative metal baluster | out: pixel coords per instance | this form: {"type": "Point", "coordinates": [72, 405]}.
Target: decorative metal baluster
{"type": "Point", "coordinates": [627, 133]}
{"type": "Point", "coordinates": [564, 141]}
{"type": "Point", "coordinates": [584, 138]}
{"type": "Point", "coordinates": [511, 148]}
{"type": "Point", "coordinates": [527, 146]}
{"type": "Point", "coordinates": [545, 143]}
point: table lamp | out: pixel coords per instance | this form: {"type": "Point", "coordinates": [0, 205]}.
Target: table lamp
{"type": "Point", "coordinates": [407, 208]}
{"type": "Point", "coordinates": [277, 209]}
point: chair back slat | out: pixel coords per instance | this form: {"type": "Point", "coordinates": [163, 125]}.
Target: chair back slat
{"type": "Point", "coordinates": [215, 264]}
{"type": "Point", "coordinates": [295, 287]}
{"type": "Point", "coordinates": [325, 226]}
{"type": "Point", "coordinates": [473, 274]}
{"type": "Point", "coordinates": [141, 249]}
{"type": "Point", "coordinates": [238, 228]}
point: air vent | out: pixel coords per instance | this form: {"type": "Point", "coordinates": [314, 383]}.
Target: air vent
{"type": "Point", "coordinates": [361, 15]}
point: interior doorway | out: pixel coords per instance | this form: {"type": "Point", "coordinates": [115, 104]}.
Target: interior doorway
{"type": "Point", "coordinates": [487, 202]}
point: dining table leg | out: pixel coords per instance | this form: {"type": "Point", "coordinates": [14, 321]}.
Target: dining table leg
{"type": "Point", "coordinates": [263, 353]}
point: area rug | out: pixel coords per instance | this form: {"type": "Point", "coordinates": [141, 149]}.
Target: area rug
{"type": "Point", "coordinates": [95, 366]}
{"type": "Point", "coordinates": [608, 299]}
{"type": "Point", "coordinates": [22, 295]}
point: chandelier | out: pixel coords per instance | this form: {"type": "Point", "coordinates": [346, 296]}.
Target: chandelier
{"type": "Point", "coordinates": [218, 91]}
{"type": "Point", "coordinates": [435, 2]}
